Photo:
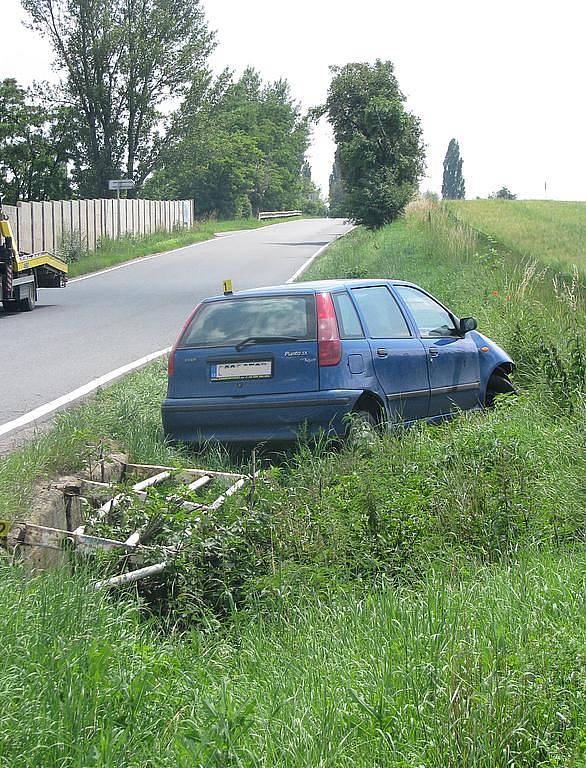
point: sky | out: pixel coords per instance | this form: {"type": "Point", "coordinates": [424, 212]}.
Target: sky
{"type": "Point", "coordinates": [505, 77]}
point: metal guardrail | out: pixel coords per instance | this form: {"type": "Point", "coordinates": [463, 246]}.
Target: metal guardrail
{"type": "Point", "coordinates": [278, 214]}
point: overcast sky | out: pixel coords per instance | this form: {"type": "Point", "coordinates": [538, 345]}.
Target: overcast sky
{"type": "Point", "coordinates": [505, 77]}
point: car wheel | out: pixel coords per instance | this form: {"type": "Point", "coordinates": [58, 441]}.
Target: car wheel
{"type": "Point", "coordinates": [362, 429]}
{"type": "Point", "coordinates": [498, 384]}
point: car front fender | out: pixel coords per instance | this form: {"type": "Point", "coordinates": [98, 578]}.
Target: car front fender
{"type": "Point", "coordinates": [490, 357]}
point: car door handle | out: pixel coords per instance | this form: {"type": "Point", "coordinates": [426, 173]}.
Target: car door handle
{"type": "Point", "coordinates": [433, 351]}
{"type": "Point", "coordinates": [382, 352]}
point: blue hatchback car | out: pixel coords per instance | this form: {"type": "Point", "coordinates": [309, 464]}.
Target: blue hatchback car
{"type": "Point", "coordinates": [271, 363]}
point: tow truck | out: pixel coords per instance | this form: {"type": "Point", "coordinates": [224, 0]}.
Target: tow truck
{"type": "Point", "coordinates": [21, 274]}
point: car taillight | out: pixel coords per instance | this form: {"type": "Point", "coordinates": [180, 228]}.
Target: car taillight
{"type": "Point", "coordinates": [171, 361]}
{"type": "Point", "coordinates": [328, 336]}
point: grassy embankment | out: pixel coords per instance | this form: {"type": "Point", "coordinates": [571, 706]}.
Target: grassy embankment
{"type": "Point", "coordinates": [421, 603]}
{"type": "Point", "coordinates": [112, 252]}
{"type": "Point", "coordinates": [553, 232]}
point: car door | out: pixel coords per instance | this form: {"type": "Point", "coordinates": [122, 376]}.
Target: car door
{"type": "Point", "coordinates": [399, 357]}
{"type": "Point", "coordinates": [452, 359]}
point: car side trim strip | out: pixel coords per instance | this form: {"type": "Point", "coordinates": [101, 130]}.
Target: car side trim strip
{"type": "Point", "coordinates": [435, 391]}
{"type": "Point", "coordinates": [456, 388]}
{"type": "Point", "coordinates": [244, 406]}
{"type": "Point", "coordinates": [405, 395]}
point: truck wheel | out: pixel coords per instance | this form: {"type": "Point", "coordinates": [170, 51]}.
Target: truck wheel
{"type": "Point", "coordinates": [27, 305]}
{"type": "Point", "coordinates": [10, 305]}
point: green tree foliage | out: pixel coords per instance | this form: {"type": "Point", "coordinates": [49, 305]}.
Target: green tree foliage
{"type": "Point", "coordinates": [34, 147]}
{"type": "Point", "coordinates": [380, 146]}
{"type": "Point", "coordinates": [453, 186]}
{"type": "Point", "coordinates": [310, 200]}
{"type": "Point", "coordinates": [504, 193]}
{"type": "Point", "coordinates": [123, 61]}
{"type": "Point", "coordinates": [337, 191]}
{"type": "Point", "coordinates": [238, 147]}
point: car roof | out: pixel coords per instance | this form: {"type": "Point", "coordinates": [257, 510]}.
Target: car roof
{"type": "Point", "coordinates": [313, 286]}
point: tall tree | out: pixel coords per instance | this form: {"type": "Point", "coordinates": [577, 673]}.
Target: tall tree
{"type": "Point", "coordinates": [380, 147]}
{"type": "Point", "coordinates": [310, 200]}
{"type": "Point", "coordinates": [453, 186]}
{"type": "Point", "coordinates": [238, 146]}
{"type": "Point", "coordinates": [34, 147]}
{"type": "Point", "coordinates": [337, 191]}
{"type": "Point", "coordinates": [123, 61]}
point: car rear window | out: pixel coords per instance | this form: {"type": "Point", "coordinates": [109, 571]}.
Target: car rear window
{"type": "Point", "coordinates": [227, 322]}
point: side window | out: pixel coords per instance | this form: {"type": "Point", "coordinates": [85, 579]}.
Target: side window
{"type": "Point", "coordinates": [382, 313]}
{"type": "Point", "coordinates": [348, 320]}
{"type": "Point", "coordinates": [431, 318]}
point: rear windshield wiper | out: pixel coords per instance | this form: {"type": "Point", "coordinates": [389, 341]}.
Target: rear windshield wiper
{"type": "Point", "coordinates": [262, 340]}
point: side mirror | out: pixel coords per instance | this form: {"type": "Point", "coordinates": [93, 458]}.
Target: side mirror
{"type": "Point", "coordinates": [468, 324]}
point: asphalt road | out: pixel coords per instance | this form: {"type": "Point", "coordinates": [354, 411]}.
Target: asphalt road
{"type": "Point", "coordinates": [105, 321]}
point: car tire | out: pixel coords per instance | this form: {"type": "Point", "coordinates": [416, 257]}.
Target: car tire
{"type": "Point", "coordinates": [498, 384]}
{"type": "Point", "coordinates": [362, 429]}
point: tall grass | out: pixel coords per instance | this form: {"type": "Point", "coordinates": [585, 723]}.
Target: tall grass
{"type": "Point", "coordinates": [478, 671]}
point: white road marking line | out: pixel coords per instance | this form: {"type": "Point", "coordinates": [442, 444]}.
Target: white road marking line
{"type": "Point", "coordinates": [91, 386]}
{"type": "Point", "coordinates": [311, 259]}
{"type": "Point", "coordinates": [44, 410]}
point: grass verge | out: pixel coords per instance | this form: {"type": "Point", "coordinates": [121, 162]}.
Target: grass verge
{"type": "Point", "coordinates": [112, 252]}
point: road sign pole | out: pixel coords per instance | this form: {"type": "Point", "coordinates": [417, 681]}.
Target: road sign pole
{"type": "Point", "coordinates": [118, 184]}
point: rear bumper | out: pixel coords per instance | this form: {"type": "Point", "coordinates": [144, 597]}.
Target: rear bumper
{"type": "Point", "coordinates": [257, 418]}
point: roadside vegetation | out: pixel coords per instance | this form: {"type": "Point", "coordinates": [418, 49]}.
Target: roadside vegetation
{"type": "Point", "coordinates": [551, 231]}
{"type": "Point", "coordinates": [112, 252]}
{"type": "Point", "coordinates": [419, 601]}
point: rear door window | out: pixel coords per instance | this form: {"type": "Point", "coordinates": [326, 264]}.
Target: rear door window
{"type": "Point", "coordinates": [348, 321]}
{"type": "Point", "coordinates": [228, 322]}
{"type": "Point", "coordinates": [381, 312]}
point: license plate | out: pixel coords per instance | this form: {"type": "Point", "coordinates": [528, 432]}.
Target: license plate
{"type": "Point", "coordinates": [249, 369]}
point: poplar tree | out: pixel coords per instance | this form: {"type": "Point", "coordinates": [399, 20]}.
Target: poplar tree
{"type": "Point", "coordinates": [337, 193]}
{"type": "Point", "coordinates": [453, 186]}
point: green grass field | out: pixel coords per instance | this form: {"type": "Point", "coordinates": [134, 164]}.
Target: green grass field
{"type": "Point", "coordinates": [417, 603]}
{"type": "Point", "coordinates": [112, 252]}
{"type": "Point", "coordinates": [553, 232]}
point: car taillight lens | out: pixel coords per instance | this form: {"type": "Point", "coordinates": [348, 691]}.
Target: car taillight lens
{"type": "Point", "coordinates": [171, 361]}
{"type": "Point", "coordinates": [328, 336]}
